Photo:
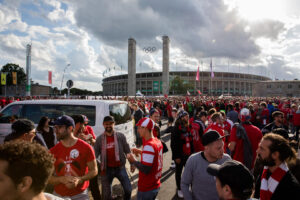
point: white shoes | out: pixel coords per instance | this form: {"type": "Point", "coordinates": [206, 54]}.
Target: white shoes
{"type": "Point", "coordinates": [172, 166]}
{"type": "Point", "coordinates": [179, 194]}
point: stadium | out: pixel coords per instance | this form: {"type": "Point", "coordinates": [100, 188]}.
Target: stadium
{"type": "Point", "coordinates": [150, 83]}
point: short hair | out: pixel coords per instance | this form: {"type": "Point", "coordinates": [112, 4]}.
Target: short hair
{"type": "Point", "coordinates": [230, 106]}
{"type": "Point", "coordinates": [203, 113]}
{"type": "Point", "coordinates": [22, 126]}
{"type": "Point", "coordinates": [135, 105]}
{"type": "Point", "coordinates": [212, 111]}
{"type": "Point", "coordinates": [223, 113]}
{"type": "Point", "coordinates": [215, 116]}
{"type": "Point", "coordinates": [277, 113]}
{"type": "Point", "coordinates": [281, 145]}
{"type": "Point", "coordinates": [78, 119]}
{"type": "Point", "coordinates": [263, 104]}
{"type": "Point", "coordinates": [27, 159]}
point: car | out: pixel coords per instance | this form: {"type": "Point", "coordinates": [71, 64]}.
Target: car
{"type": "Point", "coordinates": [95, 110]}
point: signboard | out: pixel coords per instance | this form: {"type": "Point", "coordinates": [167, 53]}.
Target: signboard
{"type": "Point", "coordinates": [155, 86]}
{"type": "Point", "coordinates": [14, 76]}
{"type": "Point", "coordinates": [69, 83]}
{"type": "Point", "coordinates": [3, 78]}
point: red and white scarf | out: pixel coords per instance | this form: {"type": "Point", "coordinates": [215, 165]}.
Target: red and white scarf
{"type": "Point", "coordinates": [268, 186]}
{"type": "Point", "coordinates": [103, 151]}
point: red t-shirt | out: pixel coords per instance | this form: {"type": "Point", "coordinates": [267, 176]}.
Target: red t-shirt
{"type": "Point", "coordinates": [197, 142]}
{"type": "Point", "coordinates": [254, 135]}
{"type": "Point", "coordinates": [110, 152]}
{"type": "Point", "coordinates": [72, 161]}
{"type": "Point", "coordinates": [152, 155]}
{"type": "Point", "coordinates": [89, 130]}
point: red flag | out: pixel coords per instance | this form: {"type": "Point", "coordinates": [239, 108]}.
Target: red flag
{"type": "Point", "coordinates": [166, 96]}
{"type": "Point", "coordinates": [187, 99]}
{"type": "Point", "coordinates": [199, 92]}
{"type": "Point", "coordinates": [197, 77]}
{"type": "Point", "coordinates": [50, 77]}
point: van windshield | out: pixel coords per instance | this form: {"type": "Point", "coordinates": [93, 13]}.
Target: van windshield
{"type": "Point", "coordinates": [121, 112]}
{"type": "Point", "coordinates": [35, 112]}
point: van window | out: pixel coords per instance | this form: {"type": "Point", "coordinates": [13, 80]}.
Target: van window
{"type": "Point", "coordinates": [13, 110]}
{"type": "Point", "coordinates": [35, 112]}
{"type": "Point", "coordinates": [121, 112]}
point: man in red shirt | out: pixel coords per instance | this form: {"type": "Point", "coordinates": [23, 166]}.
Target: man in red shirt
{"type": "Point", "coordinates": [150, 167]}
{"type": "Point", "coordinates": [75, 162]}
{"type": "Point", "coordinates": [244, 140]}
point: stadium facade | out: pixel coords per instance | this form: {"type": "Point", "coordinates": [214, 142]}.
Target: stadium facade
{"type": "Point", "coordinates": [151, 83]}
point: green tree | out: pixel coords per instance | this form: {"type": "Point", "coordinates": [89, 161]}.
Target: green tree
{"type": "Point", "coordinates": [9, 68]}
{"type": "Point", "coordinates": [178, 86]}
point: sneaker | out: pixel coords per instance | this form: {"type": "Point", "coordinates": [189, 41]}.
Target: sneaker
{"type": "Point", "coordinates": [172, 166]}
{"type": "Point", "coordinates": [179, 194]}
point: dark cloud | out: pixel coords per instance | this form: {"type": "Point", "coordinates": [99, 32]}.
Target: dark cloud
{"type": "Point", "coordinates": [200, 28]}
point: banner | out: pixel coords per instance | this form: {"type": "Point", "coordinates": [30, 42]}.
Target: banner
{"type": "Point", "coordinates": [14, 77]}
{"type": "Point", "coordinates": [188, 93]}
{"type": "Point", "coordinates": [50, 77]}
{"type": "Point", "coordinates": [197, 77]}
{"type": "Point", "coordinates": [199, 92]}
{"type": "Point", "coordinates": [155, 86]}
{"type": "Point", "coordinates": [3, 78]}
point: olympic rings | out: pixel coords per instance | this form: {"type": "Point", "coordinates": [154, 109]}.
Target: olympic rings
{"type": "Point", "coordinates": [149, 49]}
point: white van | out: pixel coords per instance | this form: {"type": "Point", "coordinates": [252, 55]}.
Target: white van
{"type": "Point", "coordinates": [95, 110]}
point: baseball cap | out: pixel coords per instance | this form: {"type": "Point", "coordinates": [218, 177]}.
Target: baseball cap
{"type": "Point", "coordinates": [64, 120]}
{"type": "Point", "coordinates": [20, 127]}
{"type": "Point", "coordinates": [109, 119]}
{"type": "Point", "coordinates": [146, 122]}
{"type": "Point", "coordinates": [182, 114]}
{"type": "Point", "coordinates": [234, 174]}
{"type": "Point", "coordinates": [210, 137]}
{"type": "Point", "coordinates": [245, 114]}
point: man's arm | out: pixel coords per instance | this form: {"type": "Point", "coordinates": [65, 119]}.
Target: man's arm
{"type": "Point", "coordinates": [92, 171]}
{"type": "Point", "coordinates": [186, 180]}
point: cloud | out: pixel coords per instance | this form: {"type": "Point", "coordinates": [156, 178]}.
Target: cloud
{"type": "Point", "coordinates": [191, 25]}
{"type": "Point", "coordinates": [267, 28]}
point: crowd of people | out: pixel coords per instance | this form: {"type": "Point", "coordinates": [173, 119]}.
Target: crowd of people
{"type": "Point", "coordinates": [229, 148]}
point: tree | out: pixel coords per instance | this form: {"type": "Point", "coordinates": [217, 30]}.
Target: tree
{"type": "Point", "coordinates": [178, 86]}
{"type": "Point", "coordinates": [9, 68]}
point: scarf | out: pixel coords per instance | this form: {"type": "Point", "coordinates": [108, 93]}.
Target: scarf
{"type": "Point", "coordinates": [247, 147]}
{"type": "Point", "coordinates": [103, 151]}
{"type": "Point", "coordinates": [268, 186]}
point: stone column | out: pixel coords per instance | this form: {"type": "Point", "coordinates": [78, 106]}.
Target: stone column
{"type": "Point", "coordinates": [165, 63]}
{"type": "Point", "coordinates": [131, 67]}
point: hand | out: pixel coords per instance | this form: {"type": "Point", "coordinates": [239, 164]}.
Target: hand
{"type": "Point", "coordinates": [136, 151]}
{"type": "Point", "coordinates": [130, 158]}
{"type": "Point", "coordinates": [132, 168]}
{"type": "Point", "coordinates": [178, 160]}
{"type": "Point", "coordinates": [71, 181]}
{"type": "Point", "coordinates": [82, 136]}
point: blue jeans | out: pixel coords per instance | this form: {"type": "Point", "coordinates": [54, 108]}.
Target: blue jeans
{"type": "Point", "coordinates": [149, 195]}
{"type": "Point", "coordinates": [106, 181]}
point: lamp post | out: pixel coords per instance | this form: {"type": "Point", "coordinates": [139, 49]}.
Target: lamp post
{"type": "Point", "coordinates": [62, 80]}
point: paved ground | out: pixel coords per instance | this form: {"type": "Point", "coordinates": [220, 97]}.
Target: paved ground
{"type": "Point", "coordinates": [168, 185]}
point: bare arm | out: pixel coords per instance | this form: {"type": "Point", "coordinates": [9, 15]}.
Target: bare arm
{"type": "Point", "coordinates": [93, 171]}
{"type": "Point", "coordinates": [231, 146]}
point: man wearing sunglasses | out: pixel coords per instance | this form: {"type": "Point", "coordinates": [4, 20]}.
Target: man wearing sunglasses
{"type": "Point", "coordinates": [278, 123]}
{"type": "Point", "coordinates": [24, 129]}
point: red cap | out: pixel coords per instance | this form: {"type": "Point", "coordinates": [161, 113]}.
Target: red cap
{"type": "Point", "coordinates": [146, 122]}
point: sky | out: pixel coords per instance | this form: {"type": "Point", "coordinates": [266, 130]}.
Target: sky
{"type": "Point", "coordinates": [89, 38]}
